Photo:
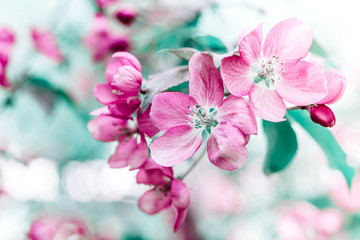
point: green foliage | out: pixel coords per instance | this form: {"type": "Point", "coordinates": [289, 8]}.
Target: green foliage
{"type": "Point", "coordinates": [282, 146]}
{"type": "Point", "coordinates": [206, 43]}
{"type": "Point", "coordinates": [334, 153]}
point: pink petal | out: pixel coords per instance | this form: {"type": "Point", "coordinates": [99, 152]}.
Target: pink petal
{"type": "Point", "coordinates": [205, 84]}
{"type": "Point", "coordinates": [329, 222]}
{"type": "Point", "coordinates": [125, 110]}
{"type": "Point", "coordinates": [3, 78]}
{"type": "Point", "coordinates": [128, 80]}
{"type": "Point", "coordinates": [289, 40]}
{"type": "Point", "coordinates": [180, 216]}
{"type": "Point", "coordinates": [176, 145]}
{"type": "Point", "coordinates": [250, 44]}
{"type": "Point", "coordinates": [303, 84]}
{"type": "Point", "coordinates": [336, 83]}
{"type": "Point", "coordinates": [46, 43]}
{"type": "Point", "coordinates": [226, 147]}
{"type": "Point", "coordinates": [151, 164]}
{"type": "Point", "coordinates": [237, 75]}
{"type": "Point", "coordinates": [236, 111]}
{"type": "Point", "coordinates": [145, 123]}
{"type": "Point", "coordinates": [266, 103]}
{"type": "Point", "coordinates": [170, 109]}
{"type": "Point", "coordinates": [119, 43]}
{"type": "Point", "coordinates": [151, 177]}
{"type": "Point", "coordinates": [118, 60]}
{"type": "Point", "coordinates": [154, 201]}
{"type": "Point", "coordinates": [342, 196]}
{"type": "Point", "coordinates": [7, 40]}
{"type": "Point", "coordinates": [123, 151]}
{"type": "Point", "coordinates": [100, 111]}
{"type": "Point", "coordinates": [180, 194]}
{"type": "Point", "coordinates": [106, 128]}
{"type": "Point", "coordinates": [139, 155]}
{"type": "Point", "coordinates": [104, 94]}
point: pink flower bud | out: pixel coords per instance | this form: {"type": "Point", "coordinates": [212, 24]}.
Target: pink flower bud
{"type": "Point", "coordinates": [126, 16]}
{"type": "Point", "coordinates": [322, 115]}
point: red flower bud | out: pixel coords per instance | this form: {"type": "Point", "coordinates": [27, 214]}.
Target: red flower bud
{"type": "Point", "coordinates": [322, 115]}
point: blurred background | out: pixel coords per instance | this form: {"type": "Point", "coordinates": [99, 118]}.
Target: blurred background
{"type": "Point", "coordinates": [54, 175]}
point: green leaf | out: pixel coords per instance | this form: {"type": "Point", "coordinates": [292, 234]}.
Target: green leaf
{"type": "Point", "coordinates": [206, 43]}
{"type": "Point", "coordinates": [282, 146]}
{"type": "Point", "coordinates": [317, 49]}
{"type": "Point", "coordinates": [323, 136]}
{"type": "Point", "coordinates": [183, 53]}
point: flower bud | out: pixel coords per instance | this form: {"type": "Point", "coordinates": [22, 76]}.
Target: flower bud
{"type": "Point", "coordinates": [126, 16]}
{"type": "Point", "coordinates": [322, 115]}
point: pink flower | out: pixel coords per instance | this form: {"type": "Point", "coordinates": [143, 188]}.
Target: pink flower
{"type": "Point", "coordinates": [320, 113]}
{"type": "Point", "coordinates": [126, 16]}
{"type": "Point", "coordinates": [55, 227]}
{"type": "Point", "coordinates": [348, 199]}
{"type": "Point", "coordinates": [303, 221]}
{"type": "Point", "coordinates": [46, 43]}
{"type": "Point", "coordinates": [184, 118]}
{"type": "Point", "coordinates": [124, 79]}
{"type": "Point", "coordinates": [132, 149]}
{"type": "Point", "coordinates": [102, 41]}
{"type": "Point", "coordinates": [167, 192]}
{"type": "Point", "coordinates": [7, 39]}
{"type": "Point", "coordinates": [274, 72]}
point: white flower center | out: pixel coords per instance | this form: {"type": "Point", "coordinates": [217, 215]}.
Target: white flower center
{"type": "Point", "coordinates": [269, 71]}
{"type": "Point", "coordinates": [201, 118]}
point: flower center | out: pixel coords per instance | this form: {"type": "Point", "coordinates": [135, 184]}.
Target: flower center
{"type": "Point", "coordinates": [200, 118]}
{"type": "Point", "coordinates": [269, 71]}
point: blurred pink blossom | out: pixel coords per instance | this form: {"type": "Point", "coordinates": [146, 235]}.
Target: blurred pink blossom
{"type": "Point", "coordinates": [46, 43]}
{"type": "Point", "coordinates": [348, 199]}
{"type": "Point", "coordinates": [126, 16]}
{"type": "Point", "coordinates": [303, 221]}
{"type": "Point", "coordinates": [7, 40]}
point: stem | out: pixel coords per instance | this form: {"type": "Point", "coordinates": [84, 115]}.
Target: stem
{"type": "Point", "coordinates": [193, 165]}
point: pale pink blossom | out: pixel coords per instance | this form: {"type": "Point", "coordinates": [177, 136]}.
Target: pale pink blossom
{"type": "Point", "coordinates": [166, 192]}
{"type": "Point", "coordinates": [303, 221]}
{"type": "Point", "coordinates": [275, 71]}
{"type": "Point", "coordinates": [348, 199]}
{"type": "Point", "coordinates": [56, 227]}
{"type": "Point", "coordinates": [7, 40]}
{"type": "Point", "coordinates": [46, 43]}
{"type": "Point", "coordinates": [102, 42]}
{"type": "Point", "coordinates": [184, 118]}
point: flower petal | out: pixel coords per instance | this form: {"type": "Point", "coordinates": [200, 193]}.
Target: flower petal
{"type": "Point", "coordinates": [151, 177]}
{"type": "Point", "coordinates": [289, 40]}
{"type": "Point", "coordinates": [145, 123]}
{"type": "Point", "coordinates": [205, 84]}
{"type": "Point", "coordinates": [336, 83]}
{"type": "Point", "coordinates": [236, 111]}
{"type": "Point", "coordinates": [46, 43]}
{"type": "Point", "coordinates": [302, 84]}
{"type": "Point", "coordinates": [170, 109]}
{"type": "Point", "coordinates": [125, 110]}
{"type": "Point", "coordinates": [176, 145]}
{"type": "Point", "coordinates": [106, 128]}
{"type": "Point", "coordinates": [322, 115]}
{"type": "Point", "coordinates": [226, 147]}
{"type": "Point", "coordinates": [237, 75]}
{"type": "Point", "coordinates": [128, 80]}
{"type": "Point", "coordinates": [151, 164]}
{"type": "Point", "coordinates": [250, 44]}
{"type": "Point", "coordinates": [118, 60]}
{"type": "Point", "coordinates": [266, 103]}
{"type": "Point", "coordinates": [123, 151]}
{"type": "Point", "coordinates": [180, 194]}
{"type": "Point", "coordinates": [154, 201]}
{"type": "Point", "coordinates": [180, 216]}
{"type": "Point", "coordinates": [104, 94]}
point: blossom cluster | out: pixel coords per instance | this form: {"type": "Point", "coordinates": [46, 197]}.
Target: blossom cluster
{"type": "Point", "coordinates": [214, 113]}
